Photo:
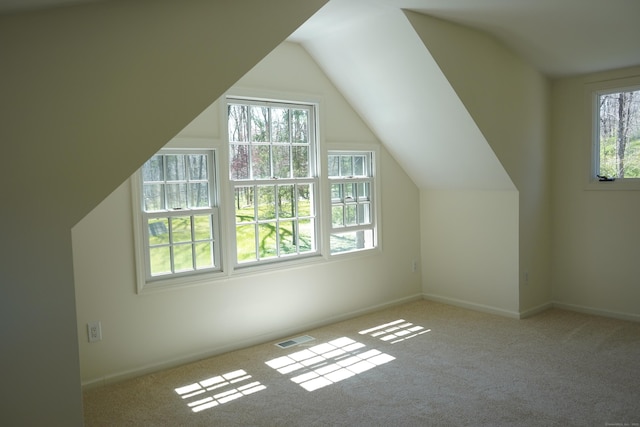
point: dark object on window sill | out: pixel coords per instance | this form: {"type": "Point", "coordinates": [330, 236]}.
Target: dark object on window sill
{"type": "Point", "coordinates": [604, 178]}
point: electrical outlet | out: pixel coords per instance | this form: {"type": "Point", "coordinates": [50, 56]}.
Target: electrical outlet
{"type": "Point", "coordinates": [414, 266]}
{"type": "Point", "coordinates": [94, 330]}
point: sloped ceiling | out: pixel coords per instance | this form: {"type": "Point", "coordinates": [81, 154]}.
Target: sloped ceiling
{"type": "Point", "coordinates": [558, 37]}
{"type": "Point", "coordinates": [369, 50]}
{"type": "Point", "coordinates": [385, 71]}
{"type": "Point", "coordinates": [371, 53]}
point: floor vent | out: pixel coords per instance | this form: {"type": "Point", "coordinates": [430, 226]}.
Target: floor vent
{"type": "Point", "coordinates": [295, 341]}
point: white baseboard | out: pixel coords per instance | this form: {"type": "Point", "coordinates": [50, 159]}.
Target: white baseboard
{"type": "Point", "coordinates": [261, 339]}
{"type": "Point", "coordinates": [533, 311]}
{"type": "Point", "coordinates": [597, 311]}
{"type": "Point", "coordinates": [472, 306]}
{"type": "Point", "coordinates": [536, 310]}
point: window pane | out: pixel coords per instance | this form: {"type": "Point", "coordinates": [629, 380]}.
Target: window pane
{"type": "Point", "coordinates": [306, 239]}
{"type": "Point", "coordinates": [350, 215]}
{"type": "Point", "coordinates": [153, 169]}
{"type": "Point", "coordinates": [158, 231]}
{"type": "Point", "coordinates": [287, 237]}
{"type": "Point", "coordinates": [239, 162]}
{"type": "Point", "coordinates": [351, 241]}
{"type": "Point", "coordinates": [238, 123]}
{"type": "Point", "coordinates": [358, 166]}
{"type": "Point", "coordinates": [300, 121]}
{"type": "Point", "coordinates": [204, 255]}
{"type": "Point", "coordinates": [261, 161]}
{"type": "Point", "coordinates": [305, 195]}
{"type": "Point", "coordinates": [160, 260]}
{"type": "Point", "coordinates": [337, 216]}
{"type": "Point", "coordinates": [202, 227]}
{"type": "Point", "coordinates": [300, 161]}
{"type": "Point", "coordinates": [282, 161]}
{"type": "Point", "coordinates": [183, 258]}
{"type": "Point", "coordinates": [259, 124]}
{"type": "Point", "coordinates": [364, 213]}
{"type": "Point", "coordinates": [267, 239]}
{"type": "Point", "coordinates": [245, 204]}
{"type": "Point", "coordinates": [153, 197]}
{"type": "Point", "coordinates": [175, 167]}
{"type": "Point", "coordinates": [246, 243]}
{"type": "Point", "coordinates": [197, 167]}
{"type": "Point", "coordinates": [181, 229]}
{"type": "Point", "coordinates": [199, 195]}
{"type": "Point", "coordinates": [336, 193]}
{"type": "Point", "coordinates": [176, 196]}
{"type": "Point", "coordinates": [266, 202]}
{"type": "Point", "coordinates": [619, 134]}
{"type": "Point", "coordinates": [286, 207]}
{"type": "Point", "coordinates": [349, 191]}
{"type": "Point", "coordinates": [280, 124]}
{"type": "Point", "coordinates": [334, 166]}
{"type": "Point", "coordinates": [363, 191]}
{"type": "Point", "coordinates": [346, 166]}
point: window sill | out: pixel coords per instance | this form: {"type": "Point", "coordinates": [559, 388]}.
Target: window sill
{"type": "Point", "coordinates": [624, 184]}
{"type": "Point", "coordinates": [277, 264]}
{"type": "Point", "coordinates": [181, 282]}
{"type": "Point", "coordinates": [356, 253]}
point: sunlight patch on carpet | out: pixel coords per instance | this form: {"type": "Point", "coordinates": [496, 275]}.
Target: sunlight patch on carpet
{"type": "Point", "coordinates": [218, 390]}
{"type": "Point", "coordinates": [328, 363]}
{"type": "Point", "coordinates": [396, 331]}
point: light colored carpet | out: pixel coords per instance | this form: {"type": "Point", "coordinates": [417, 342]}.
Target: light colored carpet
{"type": "Point", "coordinates": [455, 368]}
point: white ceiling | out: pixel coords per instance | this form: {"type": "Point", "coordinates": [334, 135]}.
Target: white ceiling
{"type": "Point", "coordinates": [359, 44]}
{"type": "Point", "coordinates": [382, 67]}
{"type": "Point", "coordinates": [385, 71]}
{"type": "Point", "coordinates": [559, 37]}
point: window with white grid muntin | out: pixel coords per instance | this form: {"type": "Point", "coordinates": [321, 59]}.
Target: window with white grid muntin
{"type": "Point", "coordinates": [273, 174]}
{"type": "Point", "coordinates": [179, 214]}
{"type": "Point", "coordinates": [351, 180]}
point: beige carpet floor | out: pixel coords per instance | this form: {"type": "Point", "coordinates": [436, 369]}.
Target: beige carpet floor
{"type": "Point", "coordinates": [418, 364]}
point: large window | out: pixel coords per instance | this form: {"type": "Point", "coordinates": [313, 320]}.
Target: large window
{"type": "Point", "coordinates": [179, 214]}
{"type": "Point", "coordinates": [351, 178]}
{"type": "Point", "coordinates": [269, 208]}
{"type": "Point", "coordinates": [272, 170]}
{"type": "Point", "coordinates": [617, 134]}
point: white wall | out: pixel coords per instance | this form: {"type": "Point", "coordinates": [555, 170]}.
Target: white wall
{"type": "Point", "coordinates": [470, 249]}
{"type": "Point", "coordinates": [382, 67]}
{"type": "Point", "coordinates": [88, 92]}
{"type": "Point", "coordinates": [508, 100]}
{"type": "Point", "coordinates": [148, 331]}
{"type": "Point", "coordinates": [596, 233]}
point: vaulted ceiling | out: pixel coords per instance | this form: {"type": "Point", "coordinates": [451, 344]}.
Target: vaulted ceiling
{"type": "Point", "coordinates": [383, 68]}
{"type": "Point", "coordinates": [374, 56]}
{"type": "Point", "coordinates": [558, 37]}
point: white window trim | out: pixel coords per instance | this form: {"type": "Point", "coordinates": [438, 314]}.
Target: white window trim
{"type": "Point", "coordinates": [593, 91]}
{"type": "Point", "coordinates": [226, 212]}
{"type": "Point", "coordinates": [353, 147]}
{"type": "Point", "coordinates": [144, 283]}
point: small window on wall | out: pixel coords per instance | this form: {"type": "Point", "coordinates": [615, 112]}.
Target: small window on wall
{"type": "Point", "coordinates": [178, 214]}
{"type": "Point", "coordinates": [353, 217]}
{"type": "Point", "coordinates": [617, 134]}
